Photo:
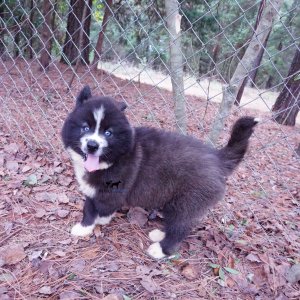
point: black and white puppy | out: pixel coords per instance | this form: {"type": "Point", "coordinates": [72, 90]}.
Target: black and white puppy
{"type": "Point", "coordinates": [116, 165]}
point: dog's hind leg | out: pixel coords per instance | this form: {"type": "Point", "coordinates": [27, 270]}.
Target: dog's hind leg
{"type": "Point", "coordinates": [87, 225]}
{"type": "Point", "coordinates": [177, 227]}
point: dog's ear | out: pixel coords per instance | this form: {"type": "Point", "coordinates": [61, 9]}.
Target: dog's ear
{"type": "Point", "coordinates": [121, 105]}
{"type": "Point", "coordinates": [83, 95]}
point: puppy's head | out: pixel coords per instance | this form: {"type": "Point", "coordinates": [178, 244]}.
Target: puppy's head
{"type": "Point", "coordinates": [97, 131]}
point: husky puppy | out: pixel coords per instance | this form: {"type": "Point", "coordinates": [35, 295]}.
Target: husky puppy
{"type": "Point", "coordinates": [117, 164]}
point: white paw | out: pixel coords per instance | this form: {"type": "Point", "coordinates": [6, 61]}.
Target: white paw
{"type": "Point", "coordinates": [103, 220]}
{"type": "Point", "coordinates": [156, 235]}
{"type": "Point", "coordinates": [79, 230]}
{"type": "Point", "coordinates": [155, 251]}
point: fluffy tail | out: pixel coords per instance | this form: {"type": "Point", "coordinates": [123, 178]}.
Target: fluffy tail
{"type": "Point", "coordinates": [232, 154]}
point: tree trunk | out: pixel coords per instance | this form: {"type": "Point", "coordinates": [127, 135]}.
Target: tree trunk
{"type": "Point", "coordinates": [258, 59]}
{"type": "Point", "coordinates": [17, 34]}
{"type": "Point", "coordinates": [297, 150]}
{"type": "Point", "coordinates": [98, 49]}
{"type": "Point", "coordinates": [49, 15]}
{"type": "Point", "coordinates": [2, 26]}
{"type": "Point", "coordinates": [287, 103]}
{"type": "Point", "coordinates": [173, 19]}
{"type": "Point", "coordinates": [30, 30]}
{"type": "Point", "coordinates": [71, 51]}
{"type": "Point", "coordinates": [244, 67]}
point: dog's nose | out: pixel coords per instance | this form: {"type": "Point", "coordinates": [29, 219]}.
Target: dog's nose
{"type": "Point", "coordinates": [92, 146]}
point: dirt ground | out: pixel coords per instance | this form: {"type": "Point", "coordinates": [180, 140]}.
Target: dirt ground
{"type": "Point", "coordinates": [246, 248]}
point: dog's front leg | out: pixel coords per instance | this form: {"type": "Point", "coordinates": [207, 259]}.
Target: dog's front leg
{"type": "Point", "coordinates": [86, 226]}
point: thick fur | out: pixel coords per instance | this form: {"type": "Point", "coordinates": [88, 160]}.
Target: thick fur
{"type": "Point", "coordinates": [152, 168]}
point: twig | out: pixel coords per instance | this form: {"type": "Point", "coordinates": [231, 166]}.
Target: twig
{"type": "Point", "coordinates": [80, 46]}
{"type": "Point", "coordinates": [11, 235]}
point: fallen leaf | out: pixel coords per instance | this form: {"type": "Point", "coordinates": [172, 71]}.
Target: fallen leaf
{"type": "Point", "coordinates": [12, 254]}
{"type": "Point", "coordinates": [31, 180]}
{"type": "Point", "coordinates": [62, 213]}
{"type": "Point", "coordinates": [35, 254]}
{"type": "Point", "coordinates": [2, 262]}
{"type": "Point", "coordinates": [45, 290]}
{"type": "Point", "coordinates": [40, 213]}
{"type": "Point", "coordinates": [108, 267]}
{"type": "Point", "coordinates": [231, 271]}
{"type": "Point", "coordinates": [69, 295]}
{"type": "Point", "coordinates": [66, 242]}
{"type": "Point", "coordinates": [58, 170]}
{"type": "Point", "coordinates": [113, 297]}
{"type": "Point", "coordinates": [221, 282]}
{"type": "Point", "coordinates": [78, 266]}
{"type": "Point", "coordinates": [2, 160]}
{"type": "Point", "coordinates": [12, 165]}
{"type": "Point", "coordinates": [26, 169]}
{"type": "Point", "coordinates": [148, 284]}
{"type": "Point", "coordinates": [19, 210]}
{"type": "Point", "coordinates": [189, 272]}
{"type": "Point", "coordinates": [293, 274]}
{"type": "Point", "coordinates": [137, 216]}
{"type": "Point", "coordinates": [6, 277]}
{"type": "Point", "coordinates": [221, 274]}
{"type": "Point", "coordinates": [46, 196]}
{"type": "Point", "coordinates": [97, 232]}
{"type": "Point", "coordinates": [60, 253]}
{"type": "Point", "coordinates": [64, 181]}
{"type": "Point", "coordinates": [63, 198]}
{"type": "Point", "coordinates": [142, 270]}
{"type": "Point", "coordinates": [11, 148]}
{"type": "Point", "coordinates": [253, 258]}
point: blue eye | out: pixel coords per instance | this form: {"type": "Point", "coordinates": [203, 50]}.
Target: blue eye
{"type": "Point", "coordinates": [107, 133]}
{"type": "Point", "coordinates": [85, 128]}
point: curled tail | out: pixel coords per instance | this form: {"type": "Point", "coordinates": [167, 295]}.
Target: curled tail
{"type": "Point", "coordinates": [232, 154]}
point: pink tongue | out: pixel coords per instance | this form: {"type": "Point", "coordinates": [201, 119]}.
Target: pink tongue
{"type": "Point", "coordinates": [92, 163]}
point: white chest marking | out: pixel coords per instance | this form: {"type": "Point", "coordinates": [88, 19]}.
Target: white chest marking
{"type": "Point", "coordinates": [80, 171]}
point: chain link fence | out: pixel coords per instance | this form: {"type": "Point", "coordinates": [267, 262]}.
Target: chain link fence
{"type": "Point", "coordinates": [134, 54]}
{"type": "Point", "coordinates": [50, 49]}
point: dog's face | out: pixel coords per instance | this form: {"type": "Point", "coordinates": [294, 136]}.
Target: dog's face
{"type": "Point", "coordinates": [97, 130]}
